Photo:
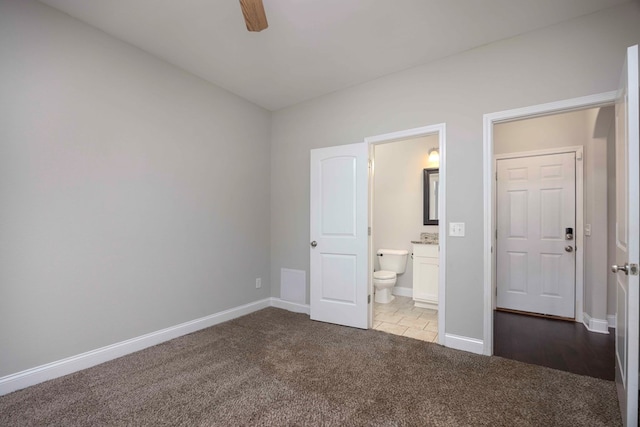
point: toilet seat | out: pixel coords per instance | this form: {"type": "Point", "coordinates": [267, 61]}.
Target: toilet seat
{"type": "Point", "coordinates": [384, 275]}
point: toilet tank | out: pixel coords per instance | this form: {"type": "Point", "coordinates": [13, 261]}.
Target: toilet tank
{"type": "Point", "coordinates": [393, 260]}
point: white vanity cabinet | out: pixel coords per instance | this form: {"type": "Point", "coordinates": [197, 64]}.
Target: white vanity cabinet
{"type": "Point", "coordinates": [425, 275]}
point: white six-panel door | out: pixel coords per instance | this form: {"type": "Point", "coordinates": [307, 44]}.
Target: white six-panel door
{"type": "Point", "coordinates": [339, 235]}
{"type": "Point", "coordinates": [536, 203]}
{"type": "Point", "coordinates": [627, 238]}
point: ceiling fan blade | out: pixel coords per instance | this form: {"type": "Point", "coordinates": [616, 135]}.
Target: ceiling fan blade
{"type": "Point", "coordinates": [254, 15]}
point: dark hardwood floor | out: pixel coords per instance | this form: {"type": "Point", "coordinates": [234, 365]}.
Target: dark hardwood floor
{"type": "Point", "coordinates": [558, 344]}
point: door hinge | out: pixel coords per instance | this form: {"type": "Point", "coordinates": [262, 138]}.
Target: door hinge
{"type": "Point", "coordinates": [369, 230]}
{"type": "Point", "coordinates": [633, 269]}
{"type": "Point", "coordinates": [496, 176]}
{"type": "Point", "coordinates": [496, 234]}
{"type": "Point", "coordinates": [368, 299]}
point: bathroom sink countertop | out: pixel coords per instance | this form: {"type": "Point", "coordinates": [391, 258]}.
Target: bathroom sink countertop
{"type": "Point", "coordinates": [425, 242]}
{"type": "Point", "coordinates": [427, 239]}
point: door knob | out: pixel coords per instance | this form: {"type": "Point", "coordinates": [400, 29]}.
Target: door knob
{"type": "Point", "coordinates": [568, 248]}
{"type": "Point", "coordinates": [314, 244]}
{"type": "Point", "coordinates": [616, 268]}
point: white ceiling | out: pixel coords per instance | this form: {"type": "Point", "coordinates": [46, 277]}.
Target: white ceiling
{"type": "Point", "coordinates": [314, 47]}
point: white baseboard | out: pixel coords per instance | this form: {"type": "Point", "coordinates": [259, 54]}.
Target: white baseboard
{"type": "Point", "coordinates": [458, 342]}
{"type": "Point", "coordinates": [91, 358]}
{"type": "Point", "coordinates": [402, 292]}
{"type": "Point", "coordinates": [291, 306]}
{"type": "Point", "coordinates": [611, 320]}
{"type": "Point", "coordinates": [595, 325]}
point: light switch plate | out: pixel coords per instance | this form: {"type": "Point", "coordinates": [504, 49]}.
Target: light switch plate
{"type": "Point", "coordinates": [587, 229]}
{"type": "Point", "coordinates": [456, 229]}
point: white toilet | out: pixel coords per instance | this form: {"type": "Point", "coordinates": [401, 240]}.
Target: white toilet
{"type": "Point", "coordinates": [392, 263]}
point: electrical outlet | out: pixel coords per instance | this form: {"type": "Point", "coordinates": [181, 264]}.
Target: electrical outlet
{"type": "Point", "coordinates": [258, 283]}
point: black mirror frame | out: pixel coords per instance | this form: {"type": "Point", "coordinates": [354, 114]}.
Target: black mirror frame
{"type": "Point", "coordinates": [425, 197]}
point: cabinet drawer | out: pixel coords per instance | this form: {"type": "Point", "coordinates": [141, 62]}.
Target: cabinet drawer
{"type": "Point", "coordinates": [430, 251]}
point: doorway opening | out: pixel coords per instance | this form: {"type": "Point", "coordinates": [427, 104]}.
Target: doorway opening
{"type": "Point", "coordinates": [399, 162]}
{"type": "Point", "coordinates": [547, 233]}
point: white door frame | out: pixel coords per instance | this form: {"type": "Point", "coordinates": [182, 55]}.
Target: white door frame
{"type": "Point", "coordinates": [439, 129]}
{"type": "Point", "coordinates": [489, 120]}
{"type": "Point", "coordinates": [578, 150]}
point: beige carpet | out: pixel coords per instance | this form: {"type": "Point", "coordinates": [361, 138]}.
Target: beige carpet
{"type": "Point", "coordinates": [279, 368]}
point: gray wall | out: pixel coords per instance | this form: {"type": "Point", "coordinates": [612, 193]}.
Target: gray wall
{"type": "Point", "coordinates": [576, 58]}
{"type": "Point", "coordinates": [564, 130]}
{"type": "Point", "coordinates": [398, 204]}
{"type": "Point", "coordinates": [135, 196]}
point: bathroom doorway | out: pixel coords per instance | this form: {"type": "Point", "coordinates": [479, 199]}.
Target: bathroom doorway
{"type": "Point", "coordinates": [396, 216]}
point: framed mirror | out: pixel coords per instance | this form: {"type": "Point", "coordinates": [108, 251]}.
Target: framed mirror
{"type": "Point", "coordinates": [430, 197]}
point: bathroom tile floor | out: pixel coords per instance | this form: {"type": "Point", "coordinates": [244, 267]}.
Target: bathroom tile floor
{"type": "Point", "coordinates": [400, 317]}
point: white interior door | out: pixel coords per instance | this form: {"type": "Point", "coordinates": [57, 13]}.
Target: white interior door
{"type": "Point", "coordinates": [626, 269]}
{"type": "Point", "coordinates": [536, 199]}
{"type": "Point", "coordinates": [339, 235]}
